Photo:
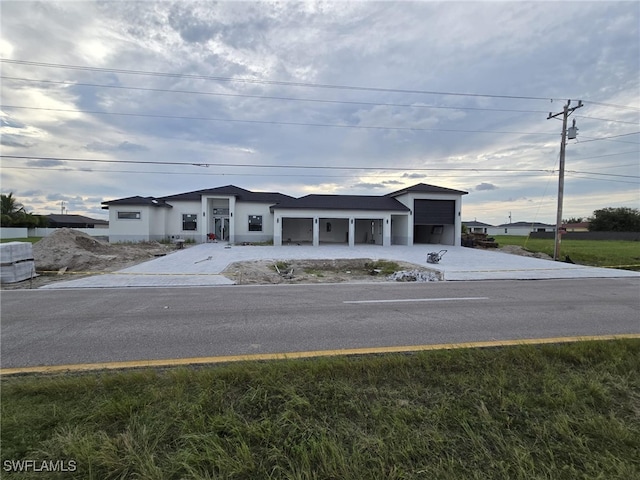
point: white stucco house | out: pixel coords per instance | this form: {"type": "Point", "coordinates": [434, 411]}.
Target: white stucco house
{"type": "Point", "coordinates": [520, 228]}
{"type": "Point", "coordinates": [418, 214]}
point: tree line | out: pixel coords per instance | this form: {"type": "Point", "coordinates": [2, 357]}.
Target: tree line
{"type": "Point", "coordinates": [610, 219]}
{"type": "Point", "coordinates": [13, 214]}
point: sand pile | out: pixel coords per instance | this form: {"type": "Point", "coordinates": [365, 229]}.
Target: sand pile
{"type": "Point", "coordinates": [77, 251]}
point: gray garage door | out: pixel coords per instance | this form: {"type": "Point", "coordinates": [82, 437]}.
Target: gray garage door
{"type": "Point", "coordinates": [434, 212]}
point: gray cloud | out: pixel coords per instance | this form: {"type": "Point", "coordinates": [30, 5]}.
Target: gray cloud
{"type": "Point", "coordinates": [15, 141]}
{"type": "Point", "coordinates": [120, 147]}
{"type": "Point", "coordinates": [485, 186]}
{"type": "Point", "coordinates": [45, 163]}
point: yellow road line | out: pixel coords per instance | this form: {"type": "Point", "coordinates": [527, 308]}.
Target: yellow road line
{"type": "Point", "coordinates": [81, 367]}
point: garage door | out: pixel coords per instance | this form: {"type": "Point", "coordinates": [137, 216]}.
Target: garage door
{"type": "Point", "coordinates": [434, 212]}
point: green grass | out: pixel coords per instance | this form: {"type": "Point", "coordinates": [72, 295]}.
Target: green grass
{"type": "Point", "coordinates": [30, 239]}
{"type": "Point", "coordinates": [597, 253]}
{"type": "Point", "coordinates": [549, 412]}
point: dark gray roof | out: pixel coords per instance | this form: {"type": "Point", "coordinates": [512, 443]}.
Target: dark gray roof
{"type": "Point", "coordinates": [475, 223]}
{"type": "Point", "coordinates": [344, 202]}
{"type": "Point", "coordinates": [137, 200]}
{"type": "Point", "coordinates": [70, 219]}
{"type": "Point", "coordinates": [231, 190]}
{"type": "Point", "coordinates": [425, 188]}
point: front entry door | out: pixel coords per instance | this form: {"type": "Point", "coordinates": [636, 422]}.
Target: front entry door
{"type": "Point", "coordinates": [221, 228]}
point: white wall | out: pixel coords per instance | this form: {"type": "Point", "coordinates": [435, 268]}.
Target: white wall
{"type": "Point", "coordinates": [241, 222]}
{"type": "Point", "coordinates": [14, 232]}
{"type": "Point", "coordinates": [452, 234]}
{"type": "Point", "coordinates": [518, 231]}
{"type": "Point", "coordinates": [173, 225]}
{"type": "Point", "coordinates": [20, 232]}
{"type": "Point", "coordinates": [129, 230]}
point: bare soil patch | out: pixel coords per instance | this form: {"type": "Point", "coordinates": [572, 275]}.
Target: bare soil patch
{"type": "Point", "coordinates": [326, 271]}
{"type": "Point", "coordinates": [518, 250]}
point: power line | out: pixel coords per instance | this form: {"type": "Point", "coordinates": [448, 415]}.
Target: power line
{"type": "Point", "coordinates": [610, 137]}
{"type": "Point", "coordinates": [267, 82]}
{"type": "Point", "coordinates": [266, 97]}
{"type": "Point", "coordinates": [294, 99]}
{"type": "Point", "coordinates": [304, 167]}
{"type": "Point", "coordinates": [612, 105]}
{"type": "Point", "coordinates": [257, 165]}
{"type": "Point", "coordinates": [273, 122]}
{"type": "Point", "coordinates": [607, 120]}
{"type": "Point", "coordinates": [298, 175]}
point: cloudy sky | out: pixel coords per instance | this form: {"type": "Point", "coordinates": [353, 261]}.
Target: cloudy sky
{"type": "Point", "coordinates": [110, 99]}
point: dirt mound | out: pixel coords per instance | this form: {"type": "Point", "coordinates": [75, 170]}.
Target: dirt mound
{"type": "Point", "coordinates": [517, 250]}
{"type": "Point", "coordinates": [77, 251]}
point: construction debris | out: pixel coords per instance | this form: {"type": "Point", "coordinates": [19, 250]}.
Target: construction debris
{"type": "Point", "coordinates": [415, 276]}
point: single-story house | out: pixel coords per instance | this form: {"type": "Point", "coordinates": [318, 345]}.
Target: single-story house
{"type": "Point", "coordinates": [576, 227]}
{"type": "Point", "coordinates": [521, 228]}
{"type": "Point", "coordinates": [477, 227]}
{"type": "Point", "coordinates": [75, 221]}
{"type": "Point", "coordinates": [418, 214]}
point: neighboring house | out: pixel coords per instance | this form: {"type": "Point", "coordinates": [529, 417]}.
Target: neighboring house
{"type": "Point", "coordinates": [521, 228]}
{"type": "Point", "coordinates": [75, 221]}
{"type": "Point", "coordinates": [576, 227]}
{"type": "Point", "coordinates": [418, 214]}
{"type": "Point", "coordinates": [477, 227]}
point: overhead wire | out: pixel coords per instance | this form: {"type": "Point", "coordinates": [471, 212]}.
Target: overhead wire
{"type": "Point", "coordinates": [274, 122]}
{"type": "Point", "coordinates": [268, 97]}
{"type": "Point", "coordinates": [266, 82]}
{"type": "Point", "coordinates": [303, 167]}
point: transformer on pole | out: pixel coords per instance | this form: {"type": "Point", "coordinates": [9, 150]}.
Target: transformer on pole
{"type": "Point", "coordinates": [573, 133]}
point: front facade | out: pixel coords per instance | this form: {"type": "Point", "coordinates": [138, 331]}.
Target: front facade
{"type": "Point", "coordinates": [418, 214]}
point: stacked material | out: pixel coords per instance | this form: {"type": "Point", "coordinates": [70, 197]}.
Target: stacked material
{"type": "Point", "coordinates": [16, 262]}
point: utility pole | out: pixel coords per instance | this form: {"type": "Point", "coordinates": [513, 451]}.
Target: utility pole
{"type": "Point", "coordinates": [572, 134]}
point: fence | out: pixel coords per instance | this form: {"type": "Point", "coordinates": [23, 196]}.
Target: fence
{"type": "Point", "coordinates": [630, 236]}
{"type": "Point", "coordinates": [19, 232]}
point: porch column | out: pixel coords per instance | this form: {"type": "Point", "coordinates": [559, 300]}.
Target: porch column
{"type": "Point", "coordinates": [316, 231]}
{"type": "Point", "coordinates": [232, 220]}
{"type": "Point", "coordinates": [457, 233]}
{"type": "Point", "coordinates": [277, 231]}
{"type": "Point", "coordinates": [386, 231]}
{"type": "Point", "coordinates": [352, 232]}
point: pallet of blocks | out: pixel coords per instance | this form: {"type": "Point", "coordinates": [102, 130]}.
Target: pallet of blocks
{"type": "Point", "coordinates": [16, 262]}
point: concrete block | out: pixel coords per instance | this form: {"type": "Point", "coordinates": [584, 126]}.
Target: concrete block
{"type": "Point", "coordinates": [16, 262]}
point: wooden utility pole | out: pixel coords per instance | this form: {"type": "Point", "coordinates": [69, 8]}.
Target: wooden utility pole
{"type": "Point", "coordinates": [563, 143]}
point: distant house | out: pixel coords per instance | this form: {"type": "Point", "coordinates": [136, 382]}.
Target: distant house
{"type": "Point", "coordinates": [521, 228]}
{"type": "Point", "coordinates": [418, 214]}
{"type": "Point", "coordinates": [75, 221]}
{"type": "Point", "coordinates": [576, 227]}
{"type": "Point", "coordinates": [477, 227]}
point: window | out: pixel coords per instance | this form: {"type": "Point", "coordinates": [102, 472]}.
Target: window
{"type": "Point", "coordinates": [128, 215]}
{"type": "Point", "coordinates": [255, 223]}
{"type": "Point", "coordinates": [189, 221]}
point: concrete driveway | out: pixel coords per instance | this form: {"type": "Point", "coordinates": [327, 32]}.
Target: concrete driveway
{"type": "Point", "coordinates": [201, 265]}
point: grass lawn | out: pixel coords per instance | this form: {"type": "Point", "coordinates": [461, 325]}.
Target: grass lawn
{"type": "Point", "coordinates": [597, 253]}
{"type": "Point", "coordinates": [567, 411]}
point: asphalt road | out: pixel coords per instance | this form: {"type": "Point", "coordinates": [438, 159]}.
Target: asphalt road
{"type": "Point", "coordinates": [58, 327]}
